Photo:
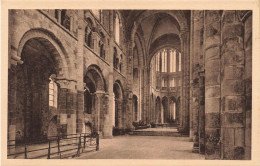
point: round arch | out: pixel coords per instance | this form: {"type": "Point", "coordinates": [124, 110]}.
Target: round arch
{"type": "Point", "coordinates": [94, 74]}
{"type": "Point", "coordinates": [118, 90]}
{"type": "Point", "coordinates": [37, 92]}
{"type": "Point", "coordinates": [48, 40]}
{"type": "Point", "coordinates": [88, 15]}
{"type": "Point", "coordinates": [118, 98]}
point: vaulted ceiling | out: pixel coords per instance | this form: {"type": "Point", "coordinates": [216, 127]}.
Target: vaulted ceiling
{"type": "Point", "coordinates": [157, 28]}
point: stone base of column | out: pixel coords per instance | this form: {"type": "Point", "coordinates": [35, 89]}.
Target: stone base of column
{"type": "Point", "coordinates": [107, 132]}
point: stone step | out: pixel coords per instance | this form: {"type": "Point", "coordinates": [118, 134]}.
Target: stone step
{"type": "Point", "coordinates": [156, 133]}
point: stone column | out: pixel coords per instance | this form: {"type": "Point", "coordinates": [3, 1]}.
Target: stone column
{"type": "Point", "coordinates": [196, 64]}
{"type": "Point", "coordinates": [80, 73]}
{"type": "Point", "coordinates": [129, 83]}
{"type": "Point", "coordinates": [212, 84]}
{"type": "Point", "coordinates": [177, 62]}
{"type": "Point", "coordinates": [126, 116]}
{"type": "Point", "coordinates": [109, 108]}
{"type": "Point", "coordinates": [107, 118]}
{"type": "Point", "coordinates": [146, 95]}
{"type": "Point", "coordinates": [201, 112]}
{"type": "Point", "coordinates": [185, 81]}
{"type": "Point", "coordinates": [233, 87]}
{"type": "Point", "coordinates": [99, 97]}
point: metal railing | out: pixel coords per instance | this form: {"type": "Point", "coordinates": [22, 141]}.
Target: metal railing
{"type": "Point", "coordinates": [55, 147]}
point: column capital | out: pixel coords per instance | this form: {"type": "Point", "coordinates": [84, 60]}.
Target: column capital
{"type": "Point", "coordinates": [66, 84]}
{"type": "Point", "coordinates": [99, 93]}
{"type": "Point", "coordinates": [14, 59]}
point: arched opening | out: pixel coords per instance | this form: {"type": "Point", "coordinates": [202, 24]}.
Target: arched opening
{"type": "Point", "coordinates": [117, 28]}
{"type": "Point", "coordinates": [37, 91]}
{"type": "Point", "coordinates": [118, 94]}
{"type": "Point", "coordinates": [115, 59]}
{"type": "Point", "coordinates": [88, 33]}
{"type": "Point", "coordinates": [93, 99]}
{"type": "Point", "coordinates": [135, 108]}
{"type": "Point", "coordinates": [102, 47]}
{"type": "Point", "coordinates": [65, 19]}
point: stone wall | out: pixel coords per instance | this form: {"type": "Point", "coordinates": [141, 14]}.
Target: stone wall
{"type": "Point", "coordinates": [74, 58]}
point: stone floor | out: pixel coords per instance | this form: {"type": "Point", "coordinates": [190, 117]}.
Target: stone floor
{"type": "Point", "coordinates": [144, 147]}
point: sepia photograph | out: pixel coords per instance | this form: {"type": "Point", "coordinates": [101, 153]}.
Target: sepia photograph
{"type": "Point", "coordinates": [97, 83]}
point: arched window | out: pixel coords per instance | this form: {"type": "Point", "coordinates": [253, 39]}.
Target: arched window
{"type": "Point", "coordinates": [115, 59]}
{"type": "Point", "coordinates": [173, 61]}
{"type": "Point", "coordinates": [101, 44]}
{"type": "Point", "coordinates": [90, 40]}
{"type": "Point", "coordinates": [117, 29]}
{"type": "Point", "coordinates": [121, 62]}
{"type": "Point", "coordinates": [56, 13]}
{"type": "Point", "coordinates": [88, 33]}
{"type": "Point", "coordinates": [53, 92]}
{"type": "Point", "coordinates": [164, 61]}
{"type": "Point", "coordinates": [65, 19]}
{"type": "Point", "coordinates": [179, 61]}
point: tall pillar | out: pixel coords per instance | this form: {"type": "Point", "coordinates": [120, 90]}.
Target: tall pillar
{"type": "Point", "coordinates": [233, 87]}
{"type": "Point", "coordinates": [196, 66]}
{"type": "Point", "coordinates": [212, 84]}
{"type": "Point", "coordinates": [109, 108]}
{"type": "Point", "coordinates": [107, 117]}
{"type": "Point", "coordinates": [129, 84]}
{"type": "Point", "coordinates": [99, 101]}
{"type": "Point", "coordinates": [80, 73]}
{"type": "Point", "coordinates": [201, 112]}
{"type": "Point", "coordinates": [185, 81]}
